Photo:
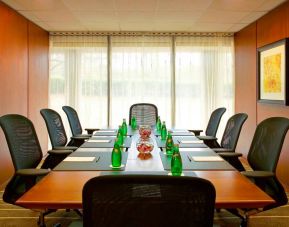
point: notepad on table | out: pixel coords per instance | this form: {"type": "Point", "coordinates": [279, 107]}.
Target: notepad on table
{"type": "Point", "coordinates": [106, 131]}
{"type": "Point", "coordinates": [207, 159]}
{"type": "Point", "coordinates": [193, 149]}
{"type": "Point", "coordinates": [98, 141]}
{"type": "Point", "coordinates": [191, 141]}
{"type": "Point", "coordinates": [79, 159]}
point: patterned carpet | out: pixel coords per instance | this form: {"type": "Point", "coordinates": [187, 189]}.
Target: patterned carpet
{"type": "Point", "coordinates": [14, 216]}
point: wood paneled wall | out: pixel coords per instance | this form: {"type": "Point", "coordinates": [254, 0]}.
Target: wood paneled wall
{"type": "Point", "coordinates": [245, 88]}
{"type": "Point", "coordinates": [23, 76]}
{"type": "Point", "coordinates": [270, 28]}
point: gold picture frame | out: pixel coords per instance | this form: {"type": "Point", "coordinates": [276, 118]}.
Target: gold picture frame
{"type": "Point", "coordinates": [273, 73]}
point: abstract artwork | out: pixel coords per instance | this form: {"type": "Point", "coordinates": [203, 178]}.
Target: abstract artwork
{"type": "Point", "coordinates": [272, 73]}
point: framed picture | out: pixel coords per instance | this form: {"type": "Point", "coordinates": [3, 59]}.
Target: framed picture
{"type": "Point", "coordinates": [273, 73]}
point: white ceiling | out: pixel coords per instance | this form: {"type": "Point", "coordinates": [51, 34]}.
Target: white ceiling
{"type": "Point", "coordinates": [143, 15]}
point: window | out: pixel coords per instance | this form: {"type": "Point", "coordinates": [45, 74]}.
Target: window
{"type": "Point", "coordinates": [102, 76]}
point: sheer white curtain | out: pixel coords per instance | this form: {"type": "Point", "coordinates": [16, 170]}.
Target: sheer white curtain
{"type": "Point", "coordinates": [141, 72]}
{"type": "Point", "coordinates": [204, 80]}
{"type": "Point", "coordinates": [78, 77]}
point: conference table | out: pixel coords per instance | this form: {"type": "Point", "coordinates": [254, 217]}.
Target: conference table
{"type": "Point", "coordinates": [62, 187]}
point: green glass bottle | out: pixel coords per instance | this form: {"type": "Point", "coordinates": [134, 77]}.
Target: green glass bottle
{"type": "Point", "coordinates": [159, 124]}
{"type": "Point", "coordinates": [176, 162]}
{"type": "Point", "coordinates": [116, 156]}
{"type": "Point", "coordinates": [169, 144]}
{"type": "Point", "coordinates": [133, 123]}
{"type": "Point", "coordinates": [124, 127]}
{"type": "Point", "coordinates": [120, 136]}
{"type": "Point", "coordinates": [164, 131]}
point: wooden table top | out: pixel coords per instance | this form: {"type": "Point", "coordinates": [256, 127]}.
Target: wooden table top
{"type": "Point", "coordinates": [63, 189]}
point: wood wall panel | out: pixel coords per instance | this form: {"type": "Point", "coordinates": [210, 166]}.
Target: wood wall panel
{"type": "Point", "coordinates": [38, 43]}
{"type": "Point", "coordinates": [13, 75]}
{"type": "Point", "coordinates": [270, 28]}
{"type": "Point", "coordinates": [245, 83]}
{"type": "Point", "coordinates": [273, 26]}
{"type": "Point", "coordinates": [18, 79]}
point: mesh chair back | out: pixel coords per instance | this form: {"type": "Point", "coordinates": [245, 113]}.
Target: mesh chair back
{"type": "Point", "coordinates": [73, 120]}
{"type": "Point", "coordinates": [55, 127]}
{"type": "Point", "coordinates": [144, 113]}
{"type": "Point", "coordinates": [214, 121]}
{"type": "Point", "coordinates": [232, 131]}
{"type": "Point", "coordinates": [267, 143]}
{"type": "Point", "coordinates": [148, 200]}
{"type": "Point", "coordinates": [22, 141]}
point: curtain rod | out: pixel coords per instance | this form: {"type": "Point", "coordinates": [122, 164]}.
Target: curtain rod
{"type": "Point", "coordinates": [129, 33]}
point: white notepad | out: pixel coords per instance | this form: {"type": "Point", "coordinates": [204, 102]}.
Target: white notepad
{"type": "Point", "coordinates": [98, 141]}
{"type": "Point", "coordinates": [79, 159]}
{"type": "Point", "coordinates": [176, 131]}
{"type": "Point", "coordinates": [191, 141]}
{"type": "Point", "coordinates": [207, 159]}
{"type": "Point", "coordinates": [106, 131]}
{"type": "Point", "coordinates": [191, 149]}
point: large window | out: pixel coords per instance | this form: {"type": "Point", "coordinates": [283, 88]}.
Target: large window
{"type": "Point", "coordinates": [204, 79]}
{"type": "Point", "coordinates": [102, 76]}
{"type": "Point", "coordinates": [78, 77]}
{"type": "Point", "coordinates": [141, 72]}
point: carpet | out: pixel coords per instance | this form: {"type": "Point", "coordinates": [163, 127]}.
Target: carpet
{"type": "Point", "coordinates": [14, 216]}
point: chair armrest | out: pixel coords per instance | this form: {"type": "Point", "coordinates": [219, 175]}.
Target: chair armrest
{"type": "Point", "coordinates": [210, 141]}
{"type": "Point", "coordinates": [59, 152]}
{"type": "Point", "coordinates": [91, 130]}
{"type": "Point", "coordinates": [32, 172]}
{"type": "Point", "coordinates": [65, 148]}
{"type": "Point", "coordinates": [258, 174]}
{"type": "Point", "coordinates": [222, 150]}
{"type": "Point", "coordinates": [80, 137]}
{"type": "Point", "coordinates": [228, 155]}
{"type": "Point", "coordinates": [84, 136]}
{"type": "Point", "coordinates": [195, 131]}
{"type": "Point", "coordinates": [208, 138]}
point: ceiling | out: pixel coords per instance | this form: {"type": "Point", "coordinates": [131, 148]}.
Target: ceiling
{"type": "Point", "coordinates": [143, 15]}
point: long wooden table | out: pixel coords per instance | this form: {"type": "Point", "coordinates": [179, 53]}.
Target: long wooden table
{"type": "Point", "coordinates": [63, 189]}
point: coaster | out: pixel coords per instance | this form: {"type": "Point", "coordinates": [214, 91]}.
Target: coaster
{"type": "Point", "coordinates": [121, 166]}
{"type": "Point", "coordinates": [170, 174]}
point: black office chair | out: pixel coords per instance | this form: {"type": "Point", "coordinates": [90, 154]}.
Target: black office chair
{"type": "Point", "coordinates": [263, 157]}
{"type": "Point", "coordinates": [57, 132]}
{"type": "Point", "coordinates": [144, 113]}
{"type": "Point", "coordinates": [74, 123]}
{"type": "Point", "coordinates": [213, 124]}
{"type": "Point", "coordinates": [148, 200]}
{"type": "Point", "coordinates": [26, 155]}
{"type": "Point", "coordinates": [230, 136]}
